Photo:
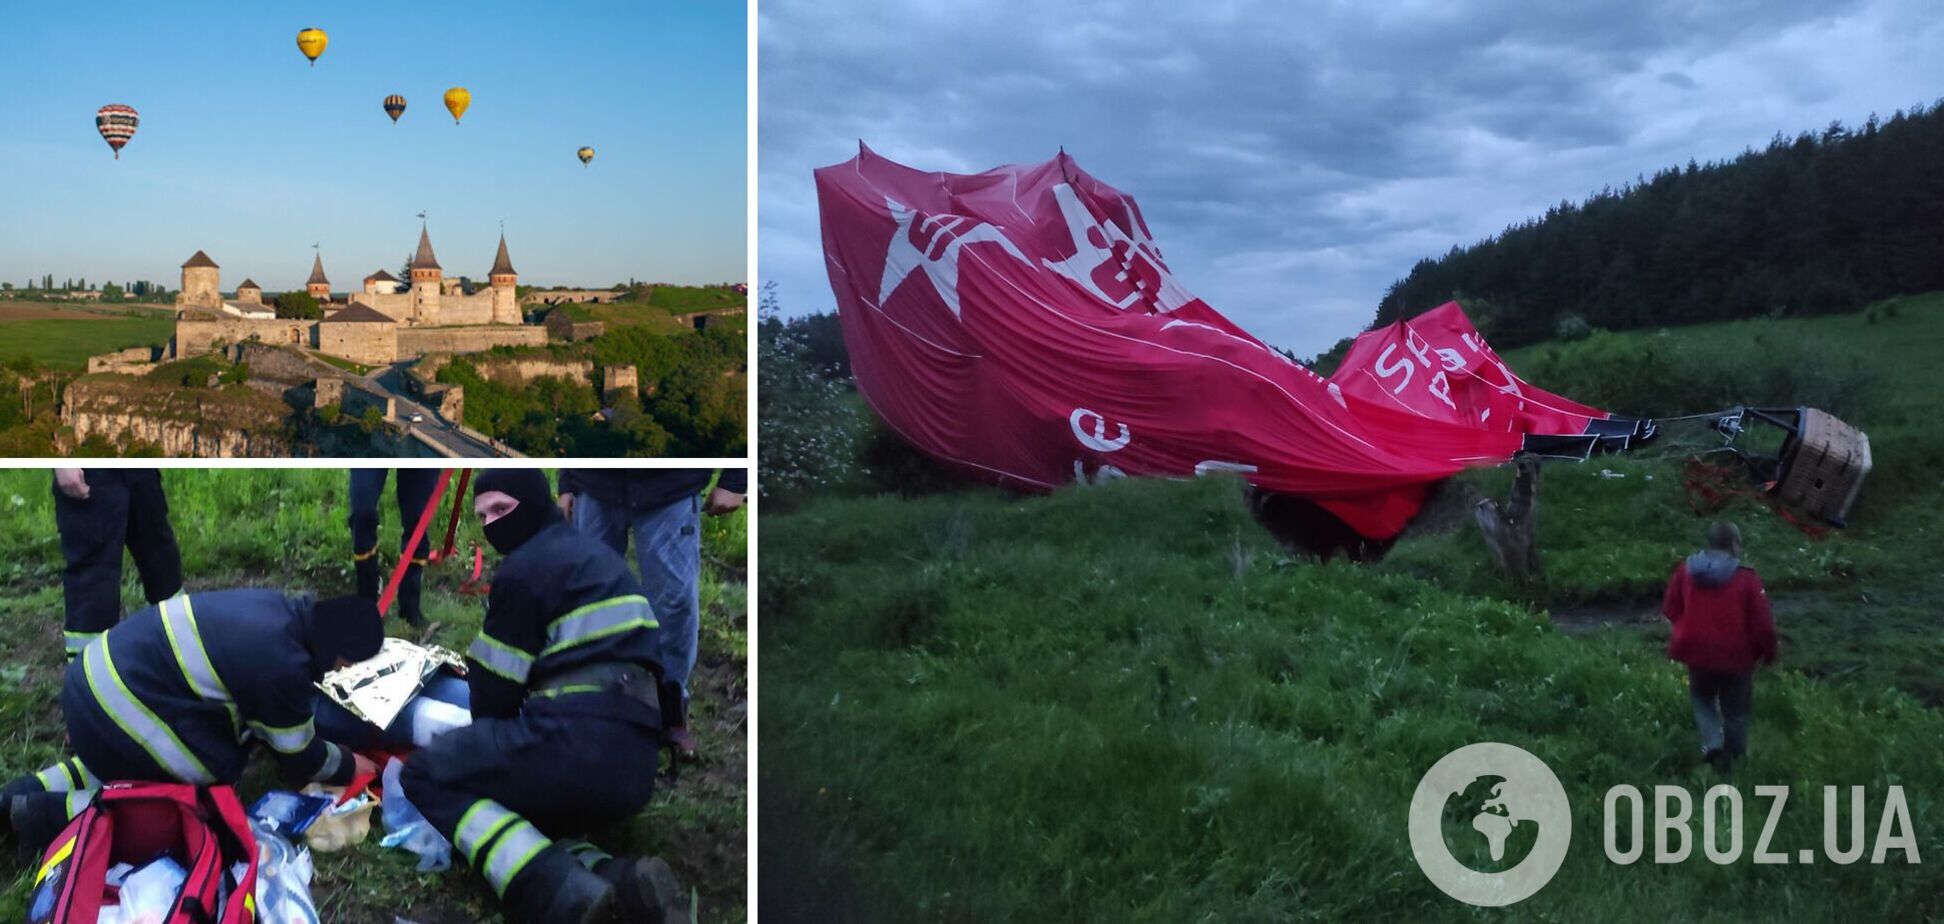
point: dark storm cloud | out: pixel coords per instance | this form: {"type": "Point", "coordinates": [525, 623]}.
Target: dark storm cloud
{"type": "Point", "coordinates": [1293, 163]}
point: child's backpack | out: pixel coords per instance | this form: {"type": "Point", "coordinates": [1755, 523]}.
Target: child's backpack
{"type": "Point", "coordinates": [204, 830]}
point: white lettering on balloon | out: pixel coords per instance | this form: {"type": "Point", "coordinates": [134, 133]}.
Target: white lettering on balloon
{"type": "Point", "coordinates": [933, 245]}
{"type": "Point", "coordinates": [1097, 439]}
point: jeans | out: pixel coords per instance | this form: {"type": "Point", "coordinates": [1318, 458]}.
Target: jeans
{"type": "Point", "coordinates": [1722, 702]}
{"type": "Point", "coordinates": [668, 549]}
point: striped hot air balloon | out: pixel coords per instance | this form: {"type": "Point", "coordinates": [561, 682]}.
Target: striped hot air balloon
{"type": "Point", "coordinates": [394, 107]}
{"type": "Point", "coordinates": [116, 123]}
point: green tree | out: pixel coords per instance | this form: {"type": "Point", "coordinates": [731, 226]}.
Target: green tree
{"type": "Point", "coordinates": [298, 306]}
{"type": "Point", "coordinates": [111, 293]}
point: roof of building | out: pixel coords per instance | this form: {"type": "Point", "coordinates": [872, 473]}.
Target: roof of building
{"type": "Point", "coordinates": [358, 314]}
{"type": "Point", "coordinates": [249, 284]}
{"type": "Point", "coordinates": [317, 272]}
{"type": "Point", "coordinates": [200, 259]}
{"type": "Point", "coordinates": [424, 259]}
{"type": "Point", "coordinates": [502, 264]}
{"type": "Point", "coordinates": [381, 276]}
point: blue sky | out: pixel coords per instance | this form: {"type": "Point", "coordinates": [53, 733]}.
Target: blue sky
{"type": "Point", "coordinates": [247, 152]}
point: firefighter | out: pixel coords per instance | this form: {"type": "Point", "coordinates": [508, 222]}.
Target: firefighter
{"type": "Point", "coordinates": [99, 512]}
{"type": "Point", "coordinates": [414, 491]}
{"type": "Point", "coordinates": [663, 510]}
{"type": "Point", "coordinates": [565, 727]}
{"type": "Point", "coordinates": [180, 691]}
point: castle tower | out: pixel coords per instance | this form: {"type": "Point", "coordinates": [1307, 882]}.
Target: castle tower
{"type": "Point", "coordinates": [249, 293]}
{"type": "Point", "coordinates": [200, 287]}
{"type": "Point", "coordinates": [425, 282]}
{"type": "Point", "coordinates": [506, 300]}
{"type": "Point", "coordinates": [318, 286]}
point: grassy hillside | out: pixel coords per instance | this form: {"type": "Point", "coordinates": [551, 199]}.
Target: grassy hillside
{"type": "Point", "coordinates": [286, 528]}
{"type": "Point", "coordinates": [1130, 704]}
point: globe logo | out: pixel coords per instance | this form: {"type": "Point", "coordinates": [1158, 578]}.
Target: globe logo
{"type": "Point", "coordinates": [1499, 808]}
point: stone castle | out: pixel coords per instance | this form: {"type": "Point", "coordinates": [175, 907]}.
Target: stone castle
{"type": "Point", "coordinates": [378, 325]}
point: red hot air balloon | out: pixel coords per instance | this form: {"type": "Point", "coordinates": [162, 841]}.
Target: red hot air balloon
{"type": "Point", "coordinates": [116, 123]}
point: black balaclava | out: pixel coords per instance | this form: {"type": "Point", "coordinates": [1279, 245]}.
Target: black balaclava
{"type": "Point", "coordinates": [536, 510]}
{"type": "Point", "coordinates": [342, 627]}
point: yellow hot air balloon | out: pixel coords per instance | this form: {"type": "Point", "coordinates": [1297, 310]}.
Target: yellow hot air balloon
{"type": "Point", "coordinates": [311, 42]}
{"type": "Point", "coordinates": [456, 100]}
{"type": "Point", "coordinates": [585, 154]}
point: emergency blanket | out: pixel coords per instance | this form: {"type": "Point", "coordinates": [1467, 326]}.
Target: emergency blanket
{"type": "Point", "coordinates": [1022, 326]}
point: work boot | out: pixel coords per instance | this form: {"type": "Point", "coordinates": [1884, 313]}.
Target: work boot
{"type": "Point", "coordinates": [582, 898]}
{"type": "Point", "coordinates": [36, 819]}
{"type": "Point", "coordinates": [645, 890]}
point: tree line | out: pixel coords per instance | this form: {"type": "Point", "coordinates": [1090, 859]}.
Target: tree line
{"type": "Point", "coordinates": [1822, 222]}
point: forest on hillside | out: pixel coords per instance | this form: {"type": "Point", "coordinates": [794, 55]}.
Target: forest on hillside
{"type": "Point", "coordinates": [1818, 223]}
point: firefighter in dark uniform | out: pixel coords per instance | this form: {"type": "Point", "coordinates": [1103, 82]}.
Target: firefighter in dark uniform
{"type": "Point", "coordinates": [99, 512]}
{"type": "Point", "coordinates": [565, 727]}
{"type": "Point", "coordinates": [181, 691]}
{"type": "Point", "coordinates": [414, 491]}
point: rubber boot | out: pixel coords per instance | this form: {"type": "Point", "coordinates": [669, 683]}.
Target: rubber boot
{"type": "Point", "coordinates": [366, 570]}
{"type": "Point", "coordinates": [564, 894]}
{"type": "Point", "coordinates": [37, 819]}
{"type": "Point", "coordinates": [645, 890]}
{"type": "Point", "coordinates": [409, 596]}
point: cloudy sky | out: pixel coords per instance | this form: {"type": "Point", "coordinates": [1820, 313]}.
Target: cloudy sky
{"type": "Point", "coordinates": [248, 152]}
{"type": "Point", "coordinates": [1294, 160]}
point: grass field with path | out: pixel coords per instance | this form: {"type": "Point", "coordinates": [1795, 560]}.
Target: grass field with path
{"type": "Point", "coordinates": [64, 336]}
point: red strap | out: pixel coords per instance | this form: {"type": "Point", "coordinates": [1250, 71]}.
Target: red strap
{"type": "Point", "coordinates": [418, 534]}
{"type": "Point", "coordinates": [452, 525]}
{"type": "Point", "coordinates": [473, 587]}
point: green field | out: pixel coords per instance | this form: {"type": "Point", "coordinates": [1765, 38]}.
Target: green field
{"type": "Point", "coordinates": [1129, 703]}
{"type": "Point", "coordinates": [286, 528]}
{"type": "Point", "coordinates": [66, 344]}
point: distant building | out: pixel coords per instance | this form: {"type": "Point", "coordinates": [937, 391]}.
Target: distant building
{"type": "Point", "coordinates": [199, 283]}
{"type": "Point", "coordinates": [318, 286]}
{"type": "Point", "coordinates": [249, 293]}
{"type": "Point", "coordinates": [382, 283]}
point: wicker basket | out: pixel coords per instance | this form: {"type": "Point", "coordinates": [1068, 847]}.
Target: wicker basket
{"type": "Point", "coordinates": [1823, 466]}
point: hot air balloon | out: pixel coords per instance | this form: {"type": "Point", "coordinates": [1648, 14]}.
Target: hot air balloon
{"type": "Point", "coordinates": [456, 100]}
{"type": "Point", "coordinates": [586, 154]}
{"type": "Point", "coordinates": [116, 123]}
{"type": "Point", "coordinates": [394, 107]}
{"type": "Point", "coordinates": [311, 42]}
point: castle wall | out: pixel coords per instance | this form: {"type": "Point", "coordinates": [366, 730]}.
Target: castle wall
{"type": "Point", "coordinates": [196, 336]}
{"type": "Point", "coordinates": [417, 341]}
{"type": "Point", "coordinates": [397, 306]}
{"type": "Point", "coordinates": [465, 309]}
{"type": "Point", "coordinates": [618, 380]}
{"type": "Point", "coordinates": [367, 342]}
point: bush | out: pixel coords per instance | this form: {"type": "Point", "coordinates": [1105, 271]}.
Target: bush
{"type": "Point", "coordinates": [813, 425]}
{"type": "Point", "coordinates": [1572, 327]}
{"type": "Point", "coordinates": [1655, 376]}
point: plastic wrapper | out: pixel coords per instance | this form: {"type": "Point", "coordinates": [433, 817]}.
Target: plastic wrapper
{"type": "Point", "coordinates": [407, 829]}
{"type": "Point", "coordinates": [282, 881]}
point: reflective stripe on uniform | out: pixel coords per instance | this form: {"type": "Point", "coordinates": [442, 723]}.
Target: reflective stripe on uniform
{"type": "Point", "coordinates": [501, 658]}
{"type": "Point", "coordinates": [76, 641]}
{"type": "Point", "coordinates": [78, 801]}
{"type": "Point", "coordinates": [135, 719]}
{"type": "Point", "coordinates": [599, 620]}
{"type": "Point", "coordinates": [483, 820]}
{"type": "Point", "coordinates": [66, 776]}
{"type": "Point", "coordinates": [185, 639]}
{"type": "Point", "coordinates": [569, 690]}
{"type": "Point", "coordinates": [589, 855]}
{"type": "Point", "coordinates": [514, 850]}
{"type": "Point", "coordinates": [333, 761]}
{"type": "Point", "coordinates": [286, 740]}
